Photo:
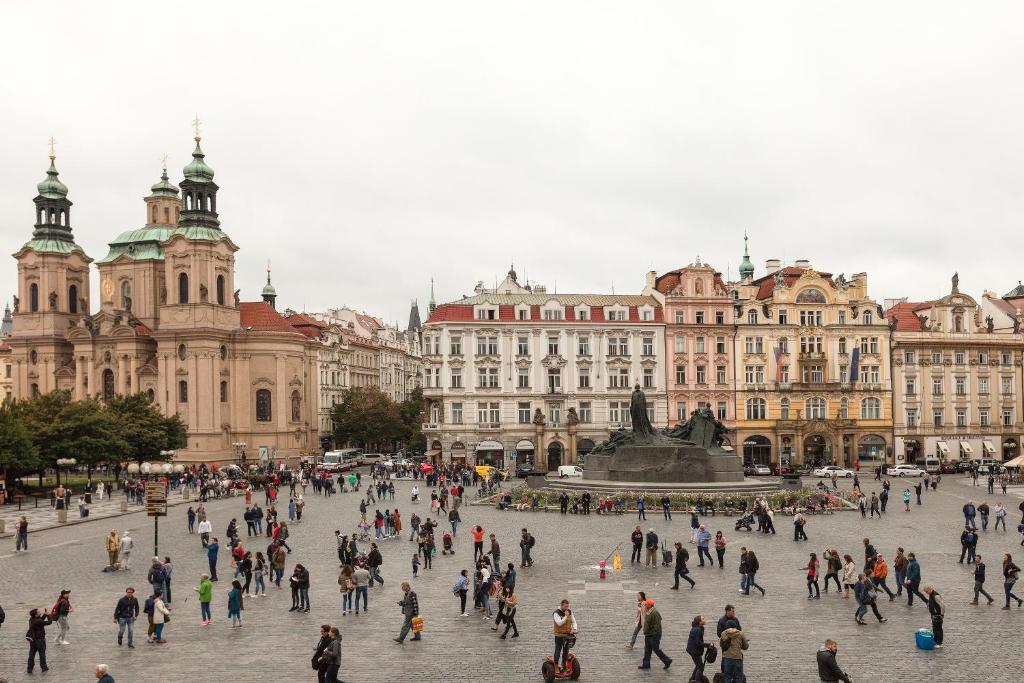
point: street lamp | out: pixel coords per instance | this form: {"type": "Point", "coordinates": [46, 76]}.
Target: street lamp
{"type": "Point", "coordinates": [156, 493]}
{"type": "Point", "coordinates": [64, 462]}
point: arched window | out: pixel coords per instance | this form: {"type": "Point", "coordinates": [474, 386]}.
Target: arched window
{"type": "Point", "coordinates": [73, 299]}
{"type": "Point", "coordinates": [126, 294]}
{"type": "Point", "coordinates": [815, 408]}
{"type": "Point", "coordinates": [167, 215]}
{"type": "Point", "coordinates": [263, 405]}
{"type": "Point", "coordinates": [756, 409]}
{"type": "Point", "coordinates": [33, 297]}
{"type": "Point", "coordinates": [751, 317]}
{"type": "Point", "coordinates": [784, 409]}
{"type": "Point", "coordinates": [108, 384]}
{"type": "Point", "coordinates": [844, 409]}
{"type": "Point", "coordinates": [183, 288]}
{"type": "Point", "coordinates": [220, 290]}
{"type": "Point", "coordinates": [871, 409]}
{"type": "Point", "coordinates": [296, 407]}
{"type": "Point", "coordinates": [223, 392]}
{"type": "Point", "coordinates": [183, 391]}
{"type": "Point", "coordinates": [151, 395]}
{"type": "Point", "coordinates": [868, 318]}
{"type": "Point", "coordinates": [154, 215]}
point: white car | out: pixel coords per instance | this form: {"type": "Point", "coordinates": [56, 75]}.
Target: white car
{"type": "Point", "coordinates": [905, 471]}
{"type": "Point", "coordinates": [827, 472]}
{"type": "Point", "coordinates": [762, 470]}
{"type": "Point", "coordinates": [565, 471]}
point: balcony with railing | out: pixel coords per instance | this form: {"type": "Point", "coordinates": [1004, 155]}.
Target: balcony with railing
{"type": "Point", "coordinates": [430, 426]}
{"type": "Point", "coordinates": [811, 356]}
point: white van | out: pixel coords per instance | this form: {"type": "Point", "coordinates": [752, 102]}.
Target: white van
{"type": "Point", "coordinates": [566, 471]}
{"type": "Point", "coordinates": [932, 465]}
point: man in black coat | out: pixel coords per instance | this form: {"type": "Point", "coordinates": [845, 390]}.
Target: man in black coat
{"type": "Point", "coordinates": [637, 537]}
{"type": "Point", "coordinates": [828, 668]}
{"type": "Point", "coordinates": [319, 662]}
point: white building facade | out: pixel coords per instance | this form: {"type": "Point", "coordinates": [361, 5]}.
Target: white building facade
{"type": "Point", "coordinates": [516, 374]}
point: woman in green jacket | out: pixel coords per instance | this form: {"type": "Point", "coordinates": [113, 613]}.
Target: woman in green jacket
{"type": "Point", "coordinates": [205, 591]}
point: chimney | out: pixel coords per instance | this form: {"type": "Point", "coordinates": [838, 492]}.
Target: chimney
{"type": "Point", "coordinates": [652, 278]}
{"type": "Point", "coordinates": [772, 265]}
{"type": "Point", "coordinates": [540, 289]}
{"type": "Point", "coordinates": [802, 263]}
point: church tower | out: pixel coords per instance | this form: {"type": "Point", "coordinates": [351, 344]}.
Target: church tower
{"type": "Point", "coordinates": [199, 261]}
{"type": "Point", "coordinates": [746, 267]}
{"type": "Point", "coordinates": [53, 290]}
{"type": "Point", "coordinates": [269, 294]}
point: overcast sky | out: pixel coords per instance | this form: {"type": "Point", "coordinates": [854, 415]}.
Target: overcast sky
{"type": "Point", "coordinates": [367, 147]}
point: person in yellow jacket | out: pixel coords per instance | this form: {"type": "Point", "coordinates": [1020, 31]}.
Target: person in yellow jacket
{"type": "Point", "coordinates": [113, 546]}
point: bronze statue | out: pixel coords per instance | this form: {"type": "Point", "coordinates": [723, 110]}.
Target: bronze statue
{"type": "Point", "coordinates": [638, 414]}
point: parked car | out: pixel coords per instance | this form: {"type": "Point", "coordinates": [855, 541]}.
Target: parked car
{"type": "Point", "coordinates": [905, 471]}
{"type": "Point", "coordinates": [827, 472]}
{"type": "Point", "coordinates": [525, 469]}
{"type": "Point", "coordinates": [566, 471]}
{"type": "Point", "coordinates": [778, 469]}
{"type": "Point", "coordinates": [749, 471]}
{"type": "Point", "coordinates": [948, 468]}
{"type": "Point", "coordinates": [371, 458]}
{"type": "Point", "coordinates": [995, 468]}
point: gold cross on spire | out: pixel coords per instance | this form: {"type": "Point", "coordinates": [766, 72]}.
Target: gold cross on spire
{"type": "Point", "coordinates": [53, 153]}
{"type": "Point", "coordinates": [163, 161]}
{"type": "Point", "coordinates": [195, 127]}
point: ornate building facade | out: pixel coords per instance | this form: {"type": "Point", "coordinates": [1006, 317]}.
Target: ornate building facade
{"type": "Point", "coordinates": [956, 379]}
{"type": "Point", "coordinates": [699, 338]}
{"type": "Point", "coordinates": [516, 374]}
{"type": "Point", "coordinates": [812, 369]}
{"type": "Point", "coordinates": [168, 324]}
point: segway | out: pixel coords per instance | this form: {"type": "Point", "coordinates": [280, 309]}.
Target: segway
{"type": "Point", "coordinates": [552, 671]}
{"type": "Point", "coordinates": [710, 655]}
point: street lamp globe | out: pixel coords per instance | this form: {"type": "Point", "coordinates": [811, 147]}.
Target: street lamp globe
{"type": "Point", "coordinates": [146, 467]}
{"type": "Point", "coordinates": [133, 468]}
{"type": "Point", "coordinates": [179, 468]}
{"type": "Point", "coordinates": [167, 467]}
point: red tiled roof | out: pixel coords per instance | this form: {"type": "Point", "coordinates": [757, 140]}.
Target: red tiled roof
{"type": "Point", "coordinates": [5, 346]}
{"type": "Point", "coordinates": [261, 316]}
{"type": "Point", "coordinates": [142, 330]}
{"type": "Point", "coordinates": [1010, 308]}
{"type": "Point", "coordinates": [905, 315]}
{"type": "Point", "coordinates": [370, 322]}
{"type": "Point", "coordinates": [790, 274]}
{"type": "Point", "coordinates": [306, 325]}
{"type": "Point", "coordinates": [359, 341]}
{"type": "Point", "coordinates": [451, 312]}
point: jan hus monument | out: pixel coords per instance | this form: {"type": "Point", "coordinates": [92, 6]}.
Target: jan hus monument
{"type": "Point", "coordinates": [690, 452]}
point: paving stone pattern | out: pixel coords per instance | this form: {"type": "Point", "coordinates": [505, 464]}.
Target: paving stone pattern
{"type": "Point", "coordinates": [785, 629]}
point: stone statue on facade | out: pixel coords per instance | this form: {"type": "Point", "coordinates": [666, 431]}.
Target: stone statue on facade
{"type": "Point", "coordinates": [990, 324]}
{"type": "Point", "coordinates": [203, 293]}
{"type": "Point", "coordinates": [956, 283]}
{"type": "Point", "coordinates": [538, 417]}
{"type": "Point", "coordinates": [163, 294]}
{"type": "Point", "coordinates": [53, 300]}
{"type": "Point", "coordinates": [17, 302]}
{"type": "Point", "coordinates": [571, 418]}
{"type": "Point", "coordinates": [237, 297]}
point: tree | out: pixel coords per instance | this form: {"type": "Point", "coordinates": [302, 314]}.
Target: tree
{"type": "Point", "coordinates": [63, 428]}
{"type": "Point", "coordinates": [411, 411]}
{"type": "Point", "coordinates": [366, 417]}
{"type": "Point", "coordinates": [145, 431]}
{"type": "Point", "coordinates": [18, 455]}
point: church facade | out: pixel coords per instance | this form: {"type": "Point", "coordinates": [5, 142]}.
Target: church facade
{"type": "Point", "coordinates": [168, 323]}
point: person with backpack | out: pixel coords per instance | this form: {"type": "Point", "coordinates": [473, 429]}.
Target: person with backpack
{"type": "Point", "coordinates": [968, 544]}
{"type": "Point", "coordinates": [156, 576]}
{"type": "Point", "coordinates": [733, 643]}
{"type": "Point", "coordinates": [681, 571]}
{"type": "Point", "coordinates": [526, 543]}
{"type": "Point", "coordinates": [866, 595]}
{"type": "Point", "coordinates": [695, 647]}
{"type": "Point", "coordinates": [148, 608]}
{"type": "Point", "coordinates": [61, 609]}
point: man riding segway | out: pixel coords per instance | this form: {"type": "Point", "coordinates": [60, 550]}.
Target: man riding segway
{"type": "Point", "coordinates": [565, 628]}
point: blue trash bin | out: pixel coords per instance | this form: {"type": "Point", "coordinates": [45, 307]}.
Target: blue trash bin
{"type": "Point", "coordinates": [925, 639]}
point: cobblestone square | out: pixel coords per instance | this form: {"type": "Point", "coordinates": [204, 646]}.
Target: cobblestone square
{"type": "Point", "coordinates": [785, 629]}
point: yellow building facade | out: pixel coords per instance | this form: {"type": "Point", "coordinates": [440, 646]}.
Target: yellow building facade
{"type": "Point", "coordinates": [813, 382]}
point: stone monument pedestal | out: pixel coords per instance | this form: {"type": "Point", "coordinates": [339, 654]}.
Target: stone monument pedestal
{"type": "Point", "coordinates": [662, 464]}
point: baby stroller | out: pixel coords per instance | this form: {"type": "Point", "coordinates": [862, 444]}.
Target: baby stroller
{"type": "Point", "coordinates": [745, 521]}
{"type": "Point", "coordinates": [446, 541]}
{"type": "Point", "coordinates": [666, 555]}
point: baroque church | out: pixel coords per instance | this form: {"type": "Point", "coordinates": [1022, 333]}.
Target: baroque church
{"type": "Point", "coordinates": [168, 323]}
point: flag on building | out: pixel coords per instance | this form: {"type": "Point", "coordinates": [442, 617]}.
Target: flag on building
{"type": "Point", "coordinates": [854, 364]}
{"type": "Point", "coordinates": [778, 362]}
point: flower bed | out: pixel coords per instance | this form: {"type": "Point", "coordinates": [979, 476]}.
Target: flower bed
{"type": "Point", "coordinates": [801, 500]}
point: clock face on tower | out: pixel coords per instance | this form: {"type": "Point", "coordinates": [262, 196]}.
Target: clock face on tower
{"type": "Point", "coordinates": [108, 289]}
